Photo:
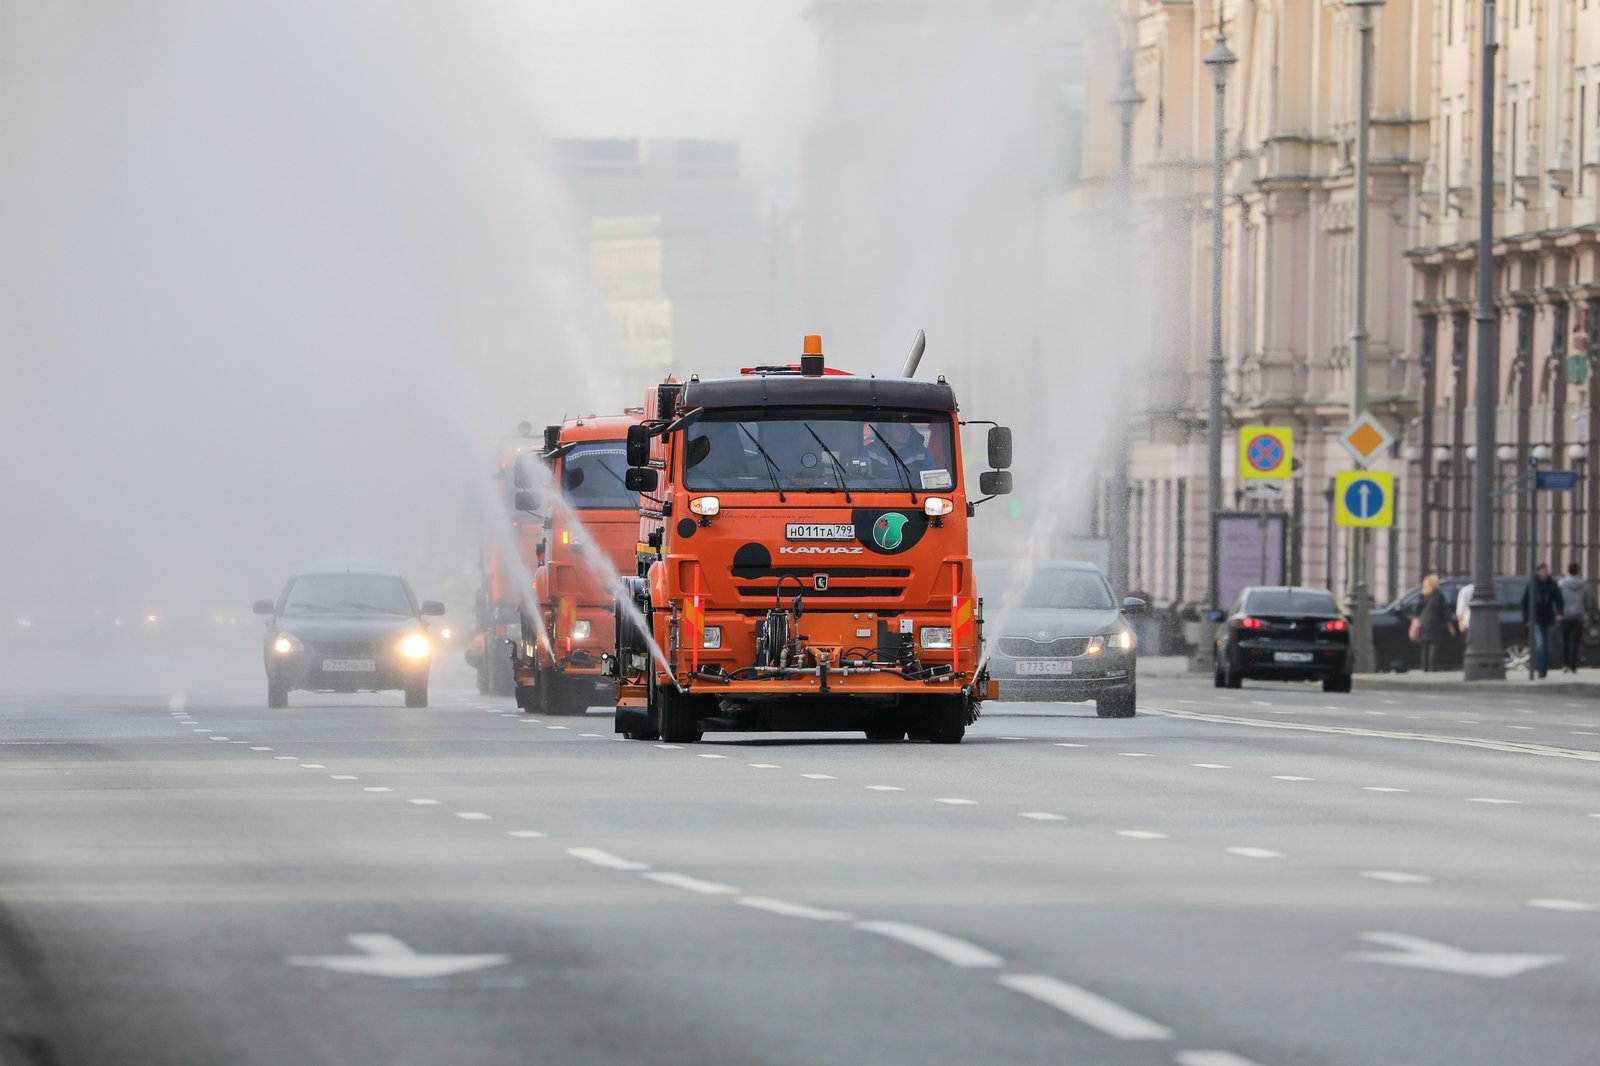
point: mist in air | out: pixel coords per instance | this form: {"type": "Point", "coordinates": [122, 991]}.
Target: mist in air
{"type": "Point", "coordinates": [275, 279]}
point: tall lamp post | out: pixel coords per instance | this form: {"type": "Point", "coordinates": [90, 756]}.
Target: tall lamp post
{"type": "Point", "coordinates": [1485, 657]}
{"type": "Point", "coordinates": [1362, 12]}
{"type": "Point", "coordinates": [1219, 61]}
{"type": "Point", "coordinates": [1126, 100]}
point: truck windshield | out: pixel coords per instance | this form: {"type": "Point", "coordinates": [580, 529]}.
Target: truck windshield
{"type": "Point", "coordinates": [720, 450]}
{"type": "Point", "coordinates": [591, 477]}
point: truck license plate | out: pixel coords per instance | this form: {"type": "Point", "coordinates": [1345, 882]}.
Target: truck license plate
{"type": "Point", "coordinates": [1057, 667]}
{"type": "Point", "coordinates": [1291, 656]}
{"type": "Point", "coordinates": [334, 666]}
{"type": "Point", "coordinates": [820, 531]}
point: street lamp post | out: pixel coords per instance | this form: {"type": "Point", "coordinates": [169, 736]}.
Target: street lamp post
{"type": "Point", "coordinates": [1126, 100]}
{"type": "Point", "coordinates": [1362, 12]}
{"type": "Point", "coordinates": [1485, 657]}
{"type": "Point", "coordinates": [1219, 61]}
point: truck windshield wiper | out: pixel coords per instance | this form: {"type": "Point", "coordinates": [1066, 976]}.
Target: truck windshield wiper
{"type": "Point", "coordinates": [607, 468]}
{"type": "Point", "coordinates": [838, 467]}
{"type": "Point", "coordinates": [901, 463]}
{"type": "Point", "coordinates": [773, 469]}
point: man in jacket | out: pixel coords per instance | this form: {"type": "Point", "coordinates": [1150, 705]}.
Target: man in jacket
{"type": "Point", "coordinates": [1577, 603]}
{"type": "Point", "coordinates": [1541, 610]}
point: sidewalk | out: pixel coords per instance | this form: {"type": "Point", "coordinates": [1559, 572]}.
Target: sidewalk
{"type": "Point", "coordinates": [1585, 683]}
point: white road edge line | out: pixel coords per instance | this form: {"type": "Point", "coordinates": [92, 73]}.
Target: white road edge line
{"type": "Point", "coordinates": [940, 945]}
{"type": "Point", "coordinates": [606, 859]}
{"type": "Point", "coordinates": [1091, 1009]}
{"type": "Point", "coordinates": [791, 910]}
{"type": "Point", "coordinates": [691, 884]}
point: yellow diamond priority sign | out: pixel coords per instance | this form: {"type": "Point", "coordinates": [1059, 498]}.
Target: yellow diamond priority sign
{"type": "Point", "coordinates": [1265, 452]}
{"type": "Point", "coordinates": [1366, 438]}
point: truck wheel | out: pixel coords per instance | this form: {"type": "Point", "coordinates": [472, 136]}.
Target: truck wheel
{"type": "Point", "coordinates": [676, 714]}
{"type": "Point", "coordinates": [945, 719]}
{"type": "Point", "coordinates": [417, 694]}
{"type": "Point", "coordinates": [277, 694]}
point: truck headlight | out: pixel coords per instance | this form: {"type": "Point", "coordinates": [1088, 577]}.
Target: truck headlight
{"type": "Point", "coordinates": [706, 506]}
{"type": "Point", "coordinates": [934, 506]}
{"type": "Point", "coordinates": [580, 629]}
{"type": "Point", "coordinates": [286, 644]}
{"type": "Point", "coordinates": [711, 637]}
{"type": "Point", "coordinates": [415, 646]}
{"type": "Point", "coordinates": [935, 636]}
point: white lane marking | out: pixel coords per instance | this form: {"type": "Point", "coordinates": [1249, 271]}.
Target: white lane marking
{"type": "Point", "coordinates": [1423, 954]}
{"type": "Point", "coordinates": [791, 910]}
{"type": "Point", "coordinates": [473, 816]}
{"type": "Point", "coordinates": [1256, 853]}
{"type": "Point", "coordinates": [1595, 815]}
{"type": "Point", "coordinates": [238, 742]}
{"type": "Point", "coordinates": [202, 729]}
{"type": "Point", "coordinates": [956, 801]}
{"type": "Point", "coordinates": [177, 701]}
{"type": "Point", "coordinates": [376, 788]}
{"type": "Point", "coordinates": [691, 884]}
{"type": "Point", "coordinates": [1519, 727]}
{"type": "Point", "coordinates": [1212, 1058]}
{"type": "Point", "coordinates": [710, 755]}
{"type": "Point", "coordinates": [1063, 744]}
{"type": "Point", "coordinates": [525, 834]}
{"type": "Point", "coordinates": [940, 945]}
{"type": "Point", "coordinates": [1011, 738]}
{"type": "Point", "coordinates": [1136, 754]}
{"type": "Point", "coordinates": [215, 737]}
{"type": "Point", "coordinates": [1467, 721]}
{"type": "Point", "coordinates": [1523, 710]}
{"type": "Point", "coordinates": [1142, 834]}
{"type": "Point", "coordinates": [1490, 799]}
{"type": "Point", "coordinates": [533, 721]}
{"type": "Point", "coordinates": [819, 777]}
{"type": "Point", "coordinates": [555, 727]}
{"type": "Point", "coordinates": [258, 748]}
{"type": "Point", "coordinates": [764, 765]}
{"type": "Point", "coordinates": [1091, 1009]}
{"type": "Point", "coordinates": [670, 747]}
{"type": "Point", "coordinates": [885, 788]}
{"type": "Point", "coordinates": [1291, 777]}
{"type": "Point", "coordinates": [1382, 788]}
{"type": "Point", "coordinates": [388, 956]}
{"type": "Point", "coordinates": [312, 766]}
{"type": "Point", "coordinates": [1574, 905]}
{"type": "Point", "coordinates": [287, 758]}
{"type": "Point", "coordinates": [1211, 766]}
{"type": "Point", "coordinates": [591, 736]}
{"type": "Point", "coordinates": [1584, 733]}
{"type": "Point", "coordinates": [426, 802]}
{"type": "Point", "coordinates": [606, 859]}
{"type": "Point", "coordinates": [1396, 877]}
{"type": "Point", "coordinates": [344, 777]}
{"type": "Point", "coordinates": [1261, 703]}
{"type": "Point", "coordinates": [1378, 714]}
{"type": "Point", "coordinates": [1043, 816]}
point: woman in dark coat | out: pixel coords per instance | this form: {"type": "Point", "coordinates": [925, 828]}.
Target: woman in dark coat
{"type": "Point", "coordinates": [1434, 617]}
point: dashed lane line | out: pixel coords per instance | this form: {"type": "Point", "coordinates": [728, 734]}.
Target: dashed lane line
{"type": "Point", "coordinates": [1255, 853]}
{"type": "Point", "coordinates": [1573, 905]}
{"type": "Point", "coordinates": [1064, 744]}
{"type": "Point", "coordinates": [956, 801]}
{"type": "Point", "coordinates": [377, 788]}
{"type": "Point", "coordinates": [424, 802]}
{"type": "Point", "coordinates": [884, 788]}
{"type": "Point", "coordinates": [691, 884]}
{"type": "Point", "coordinates": [791, 910]}
{"type": "Point", "coordinates": [1382, 788]}
{"type": "Point", "coordinates": [259, 748]}
{"type": "Point", "coordinates": [1291, 777]}
{"type": "Point", "coordinates": [1136, 754]}
{"type": "Point", "coordinates": [473, 816]}
{"type": "Point", "coordinates": [1043, 816]}
{"type": "Point", "coordinates": [1211, 766]}
{"type": "Point", "coordinates": [525, 834]}
{"type": "Point", "coordinates": [1142, 834]}
{"type": "Point", "coordinates": [1088, 1007]}
{"type": "Point", "coordinates": [819, 777]}
{"type": "Point", "coordinates": [940, 945]}
{"type": "Point", "coordinates": [1397, 877]}
{"type": "Point", "coordinates": [764, 766]}
{"type": "Point", "coordinates": [606, 859]}
{"type": "Point", "coordinates": [344, 777]}
{"type": "Point", "coordinates": [1212, 1058]}
{"type": "Point", "coordinates": [710, 755]}
{"type": "Point", "coordinates": [312, 766]}
{"type": "Point", "coordinates": [1491, 799]}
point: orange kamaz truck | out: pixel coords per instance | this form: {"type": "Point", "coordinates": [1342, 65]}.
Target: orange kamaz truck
{"type": "Point", "coordinates": [590, 522]}
{"type": "Point", "coordinates": [802, 558]}
{"type": "Point", "coordinates": [507, 554]}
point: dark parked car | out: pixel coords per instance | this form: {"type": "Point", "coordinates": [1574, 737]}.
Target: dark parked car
{"type": "Point", "coordinates": [1283, 633]}
{"type": "Point", "coordinates": [1054, 632]}
{"type": "Point", "coordinates": [1391, 628]}
{"type": "Point", "coordinates": [347, 631]}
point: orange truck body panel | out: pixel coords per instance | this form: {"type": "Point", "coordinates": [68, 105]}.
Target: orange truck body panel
{"type": "Point", "coordinates": [500, 595]}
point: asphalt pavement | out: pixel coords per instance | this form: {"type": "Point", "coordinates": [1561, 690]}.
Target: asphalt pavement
{"type": "Point", "coordinates": [1270, 875]}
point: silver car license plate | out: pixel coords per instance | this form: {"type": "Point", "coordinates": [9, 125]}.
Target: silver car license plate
{"type": "Point", "coordinates": [348, 666]}
{"type": "Point", "coordinates": [819, 531]}
{"type": "Point", "coordinates": [1291, 656]}
{"type": "Point", "coordinates": [1047, 667]}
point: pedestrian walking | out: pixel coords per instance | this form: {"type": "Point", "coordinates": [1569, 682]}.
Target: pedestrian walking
{"type": "Point", "coordinates": [1577, 604]}
{"type": "Point", "coordinates": [1541, 610]}
{"type": "Point", "coordinates": [1464, 607]}
{"type": "Point", "coordinates": [1433, 623]}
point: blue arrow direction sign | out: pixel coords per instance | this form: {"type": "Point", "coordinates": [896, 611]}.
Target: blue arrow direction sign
{"type": "Point", "coordinates": [1364, 498]}
{"type": "Point", "coordinates": [1555, 480]}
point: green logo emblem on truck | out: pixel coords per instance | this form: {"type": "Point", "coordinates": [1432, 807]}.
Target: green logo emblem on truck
{"type": "Point", "coordinates": [886, 531]}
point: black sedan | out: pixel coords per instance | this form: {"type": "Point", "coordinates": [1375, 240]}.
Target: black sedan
{"type": "Point", "coordinates": [1059, 635]}
{"type": "Point", "coordinates": [347, 631]}
{"type": "Point", "coordinates": [1282, 633]}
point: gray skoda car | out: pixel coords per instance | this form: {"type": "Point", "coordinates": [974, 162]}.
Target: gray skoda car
{"type": "Point", "coordinates": [1055, 632]}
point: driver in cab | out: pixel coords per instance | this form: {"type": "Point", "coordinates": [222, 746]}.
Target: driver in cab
{"type": "Point", "coordinates": [892, 439]}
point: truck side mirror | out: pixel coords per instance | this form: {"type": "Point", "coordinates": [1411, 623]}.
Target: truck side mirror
{"type": "Point", "coordinates": [994, 482]}
{"type": "Point", "coordinates": [1000, 447]}
{"type": "Point", "coordinates": [640, 479]}
{"type": "Point", "coordinates": [519, 476]}
{"type": "Point", "coordinates": [527, 501]}
{"type": "Point", "coordinates": [638, 446]}
{"type": "Point", "coordinates": [432, 607]}
{"type": "Point", "coordinates": [262, 607]}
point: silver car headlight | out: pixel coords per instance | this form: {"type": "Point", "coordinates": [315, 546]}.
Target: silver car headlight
{"type": "Point", "coordinates": [415, 646]}
{"type": "Point", "coordinates": [287, 644]}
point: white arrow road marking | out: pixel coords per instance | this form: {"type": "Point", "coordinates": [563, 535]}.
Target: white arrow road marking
{"type": "Point", "coordinates": [1092, 1010]}
{"type": "Point", "coordinates": [606, 859]}
{"type": "Point", "coordinates": [791, 910]}
{"type": "Point", "coordinates": [1427, 955]}
{"type": "Point", "coordinates": [388, 956]}
{"type": "Point", "coordinates": [955, 952]}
